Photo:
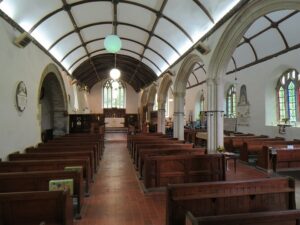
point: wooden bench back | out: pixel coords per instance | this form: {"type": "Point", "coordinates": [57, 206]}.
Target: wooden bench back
{"type": "Point", "coordinates": [229, 197]}
{"type": "Point", "coordinates": [163, 170]}
{"type": "Point", "coordinates": [54, 207]}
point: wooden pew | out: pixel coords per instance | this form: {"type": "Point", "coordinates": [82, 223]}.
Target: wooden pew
{"type": "Point", "coordinates": [165, 151]}
{"type": "Point", "coordinates": [210, 199]}
{"type": "Point", "coordinates": [282, 217]}
{"type": "Point", "coordinates": [252, 146]}
{"type": "Point", "coordinates": [57, 149]}
{"type": "Point", "coordinates": [39, 181]}
{"type": "Point", "coordinates": [157, 145]}
{"type": "Point", "coordinates": [48, 165]}
{"type": "Point", "coordinates": [56, 155]}
{"type": "Point", "coordinates": [34, 208]}
{"type": "Point", "coordinates": [236, 143]}
{"type": "Point", "coordinates": [162, 170]}
{"type": "Point", "coordinates": [280, 159]}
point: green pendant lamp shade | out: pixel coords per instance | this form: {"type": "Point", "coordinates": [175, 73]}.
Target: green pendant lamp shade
{"type": "Point", "coordinates": [112, 43]}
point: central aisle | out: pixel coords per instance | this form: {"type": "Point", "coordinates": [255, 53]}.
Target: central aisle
{"type": "Point", "coordinates": [116, 197]}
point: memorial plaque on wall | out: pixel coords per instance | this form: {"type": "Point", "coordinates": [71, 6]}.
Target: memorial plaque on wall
{"type": "Point", "coordinates": [21, 96]}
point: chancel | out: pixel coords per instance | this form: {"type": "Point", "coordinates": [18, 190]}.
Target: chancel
{"type": "Point", "coordinates": [161, 112]}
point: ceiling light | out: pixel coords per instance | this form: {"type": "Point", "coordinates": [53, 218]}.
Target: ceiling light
{"type": "Point", "coordinates": [115, 74]}
{"type": "Point", "coordinates": [112, 43]}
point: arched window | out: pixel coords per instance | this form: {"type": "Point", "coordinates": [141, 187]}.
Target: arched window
{"type": "Point", "coordinates": [288, 96]}
{"type": "Point", "coordinates": [231, 102]}
{"type": "Point", "coordinates": [202, 103]}
{"type": "Point", "coordinates": [113, 94]}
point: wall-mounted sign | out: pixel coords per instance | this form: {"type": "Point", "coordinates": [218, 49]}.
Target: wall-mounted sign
{"type": "Point", "coordinates": [21, 96]}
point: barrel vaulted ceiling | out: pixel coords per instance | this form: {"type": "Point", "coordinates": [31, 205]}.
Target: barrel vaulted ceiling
{"type": "Point", "coordinates": [154, 33]}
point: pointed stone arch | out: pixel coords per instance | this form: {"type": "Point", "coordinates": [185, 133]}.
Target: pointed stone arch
{"type": "Point", "coordinates": [179, 93]}
{"type": "Point", "coordinates": [52, 100]}
{"type": "Point", "coordinates": [224, 50]}
{"type": "Point", "coordinates": [162, 95]}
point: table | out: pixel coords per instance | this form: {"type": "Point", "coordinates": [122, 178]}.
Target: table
{"type": "Point", "coordinates": [230, 156]}
{"type": "Point", "coordinates": [114, 122]}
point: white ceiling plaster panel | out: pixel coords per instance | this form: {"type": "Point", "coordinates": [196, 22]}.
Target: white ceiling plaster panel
{"type": "Point", "coordinates": [74, 1]}
{"type": "Point", "coordinates": [136, 15]}
{"type": "Point", "coordinates": [265, 48]}
{"type": "Point", "coordinates": [132, 46]}
{"type": "Point", "coordinates": [95, 32]}
{"type": "Point", "coordinates": [230, 66]}
{"type": "Point", "coordinates": [131, 54]}
{"type": "Point", "coordinates": [92, 12]}
{"type": "Point", "coordinates": [243, 55]}
{"type": "Point", "coordinates": [218, 8]}
{"type": "Point", "coordinates": [278, 15]}
{"type": "Point", "coordinates": [154, 4]}
{"type": "Point", "coordinates": [164, 49]}
{"type": "Point", "coordinates": [28, 13]}
{"type": "Point", "coordinates": [65, 45]}
{"type": "Point", "coordinates": [151, 66]}
{"type": "Point", "coordinates": [189, 17]}
{"type": "Point", "coordinates": [52, 29]}
{"type": "Point", "coordinates": [132, 33]}
{"type": "Point", "coordinates": [257, 26]}
{"type": "Point", "coordinates": [156, 59]}
{"type": "Point", "coordinates": [290, 29]}
{"type": "Point", "coordinates": [77, 64]}
{"type": "Point", "coordinates": [175, 37]}
{"type": "Point", "coordinates": [73, 57]}
{"type": "Point", "coordinates": [192, 80]}
{"type": "Point", "coordinates": [95, 45]}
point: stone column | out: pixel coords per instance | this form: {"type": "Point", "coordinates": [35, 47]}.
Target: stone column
{"type": "Point", "coordinates": [220, 107]}
{"type": "Point", "coordinates": [178, 127]}
{"type": "Point", "coordinates": [161, 126]}
{"type": "Point", "coordinates": [211, 120]}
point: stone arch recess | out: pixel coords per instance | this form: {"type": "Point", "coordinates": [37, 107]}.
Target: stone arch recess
{"type": "Point", "coordinates": [224, 50]}
{"type": "Point", "coordinates": [179, 93]}
{"type": "Point", "coordinates": [52, 100]}
{"type": "Point", "coordinates": [151, 95]}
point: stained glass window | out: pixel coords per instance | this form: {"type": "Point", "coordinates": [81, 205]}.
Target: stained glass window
{"type": "Point", "coordinates": [231, 102]}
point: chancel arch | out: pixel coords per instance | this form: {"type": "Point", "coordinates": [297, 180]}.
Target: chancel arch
{"type": "Point", "coordinates": [222, 53]}
{"type": "Point", "coordinates": [179, 93]}
{"type": "Point", "coordinates": [53, 103]}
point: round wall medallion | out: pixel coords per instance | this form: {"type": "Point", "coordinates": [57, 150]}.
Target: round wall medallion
{"type": "Point", "coordinates": [21, 96]}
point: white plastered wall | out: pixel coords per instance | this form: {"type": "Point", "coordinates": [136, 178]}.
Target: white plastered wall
{"type": "Point", "coordinates": [261, 81]}
{"type": "Point", "coordinates": [19, 130]}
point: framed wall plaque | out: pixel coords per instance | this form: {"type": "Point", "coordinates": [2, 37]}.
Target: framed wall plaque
{"type": "Point", "coordinates": [21, 96]}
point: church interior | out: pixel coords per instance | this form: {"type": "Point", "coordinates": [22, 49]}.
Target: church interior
{"type": "Point", "coordinates": [154, 112]}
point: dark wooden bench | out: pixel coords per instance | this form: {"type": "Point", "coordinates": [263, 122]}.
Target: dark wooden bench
{"type": "Point", "coordinates": [236, 143]}
{"type": "Point", "coordinates": [210, 199]}
{"type": "Point", "coordinates": [171, 169]}
{"type": "Point", "coordinates": [39, 181]}
{"type": "Point", "coordinates": [165, 151]}
{"type": "Point", "coordinates": [56, 155]}
{"type": "Point", "coordinates": [157, 145]}
{"type": "Point", "coordinates": [57, 149]}
{"type": "Point", "coordinates": [34, 208]}
{"type": "Point", "coordinates": [48, 165]}
{"type": "Point", "coordinates": [252, 146]}
{"type": "Point", "coordinates": [282, 217]}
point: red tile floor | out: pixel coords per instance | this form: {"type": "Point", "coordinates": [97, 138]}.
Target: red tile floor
{"type": "Point", "coordinates": [116, 195]}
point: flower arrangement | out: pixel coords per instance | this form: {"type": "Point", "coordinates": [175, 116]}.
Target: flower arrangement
{"type": "Point", "coordinates": [285, 120]}
{"type": "Point", "coordinates": [220, 149]}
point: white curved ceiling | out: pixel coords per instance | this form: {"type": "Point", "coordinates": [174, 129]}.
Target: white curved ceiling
{"type": "Point", "coordinates": [156, 32]}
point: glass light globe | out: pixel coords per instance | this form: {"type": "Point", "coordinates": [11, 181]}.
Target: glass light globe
{"type": "Point", "coordinates": [115, 74]}
{"type": "Point", "coordinates": [112, 43]}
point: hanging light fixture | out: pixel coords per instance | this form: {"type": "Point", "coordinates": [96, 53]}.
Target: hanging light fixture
{"type": "Point", "coordinates": [112, 43]}
{"type": "Point", "coordinates": [114, 72]}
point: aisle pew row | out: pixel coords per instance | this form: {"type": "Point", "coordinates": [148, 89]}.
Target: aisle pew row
{"type": "Point", "coordinates": [67, 164]}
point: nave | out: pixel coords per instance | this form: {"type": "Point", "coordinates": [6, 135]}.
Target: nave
{"type": "Point", "coordinates": [117, 195]}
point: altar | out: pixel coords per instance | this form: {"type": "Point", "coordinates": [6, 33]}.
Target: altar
{"type": "Point", "coordinates": [114, 122]}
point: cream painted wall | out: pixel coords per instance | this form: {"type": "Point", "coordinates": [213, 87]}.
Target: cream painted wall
{"type": "Point", "coordinates": [192, 101]}
{"type": "Point", "coordinates": [19, 130]}
{"type": "Point", "coordinates": [261, 81]}
{"type": "Point", "coordinates": [95, 99]}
